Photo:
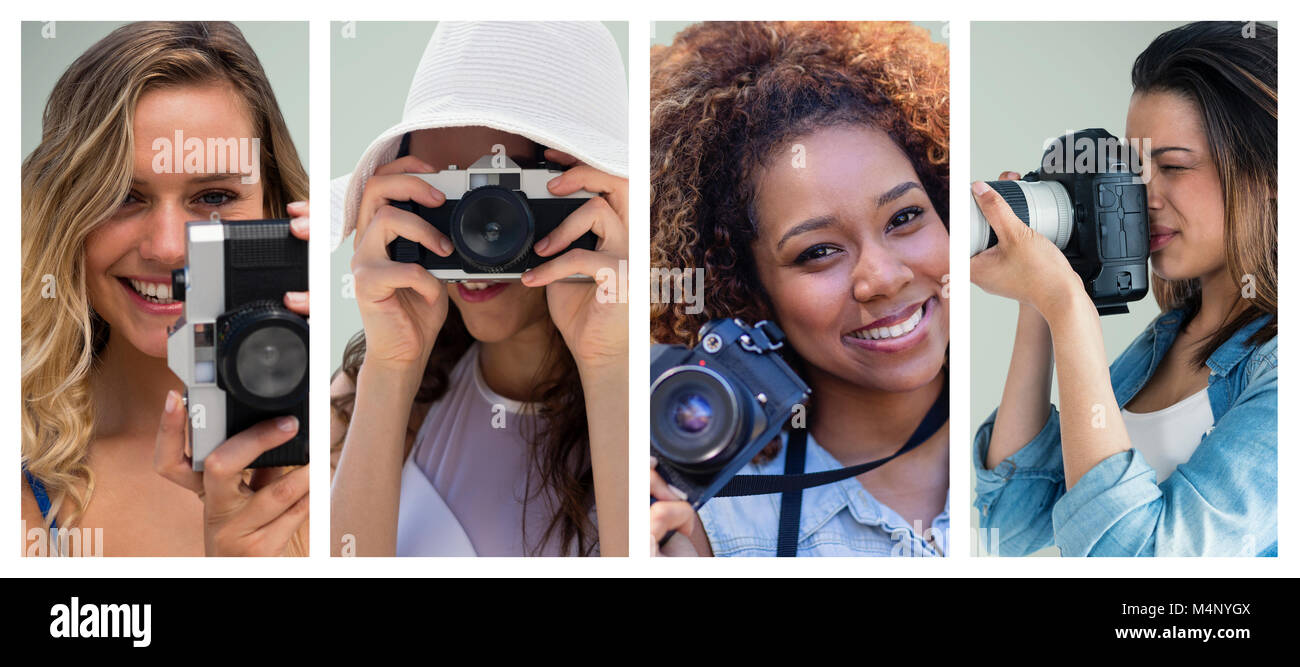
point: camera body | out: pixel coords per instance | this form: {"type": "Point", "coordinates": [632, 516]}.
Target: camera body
{"type": "Point", "coordinates": [1097, 216]}
{"type": "Point", "coordinates": [713, 407]}
{"type": "Point", "coordinates": [241, 354]}
{"type": "Point", "coordinates": [494, 213]}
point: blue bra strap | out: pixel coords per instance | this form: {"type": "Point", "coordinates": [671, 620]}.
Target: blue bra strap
{"type": "Point", "coordinates": [38, 490]}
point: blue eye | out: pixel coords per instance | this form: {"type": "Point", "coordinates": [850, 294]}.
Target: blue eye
{"type": "Point", "coordinates": [818, 251]}
{"type": "Point", "coordinates": [216, 198]}
{"type": "Point", "coordinates": [904, 216]}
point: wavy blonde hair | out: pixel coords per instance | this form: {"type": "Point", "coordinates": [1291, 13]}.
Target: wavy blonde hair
{"type": "Point", "coordinates": [72, 182]}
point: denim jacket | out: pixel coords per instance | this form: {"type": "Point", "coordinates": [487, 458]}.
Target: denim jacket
{"type": "Point", "coordinates": [839, 519]}
{"type": "Point", "coordinates": [1221, 502]}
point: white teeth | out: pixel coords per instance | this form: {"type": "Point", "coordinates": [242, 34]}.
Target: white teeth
{"type": "Point", "coordinates": [152, 292]}
{"type": "Point", "coordinates": [475, 286]}
{"type": "Point", "coordinates": [894, 331]}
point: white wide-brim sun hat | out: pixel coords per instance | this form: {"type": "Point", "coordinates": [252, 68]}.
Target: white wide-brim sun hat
{"type": "Point", "coordinates": [560, 84]}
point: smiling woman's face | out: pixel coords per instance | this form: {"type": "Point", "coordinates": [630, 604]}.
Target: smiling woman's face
{"type": "Point", "coordinates": [854, 257]}
{"type": "Point", "coordinates": [130, 256]}
{"type": "Point", "coordinates": [497, 310]}
{"type": "Point", "coordinates": [1185, 195]}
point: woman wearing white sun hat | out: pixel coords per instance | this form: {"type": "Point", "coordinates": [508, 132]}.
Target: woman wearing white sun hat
{"type": "Point", "coordinates": [423, 464]}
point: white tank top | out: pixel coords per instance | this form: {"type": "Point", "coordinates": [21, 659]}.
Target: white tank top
{"type": "Point", "coordinates": [472, 450]}
{"type": "Point", "coordinates": [1168, 437]}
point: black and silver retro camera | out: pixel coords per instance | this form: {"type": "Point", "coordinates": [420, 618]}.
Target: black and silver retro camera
{"type": "Point", "coordinates": [1096, 215]}
{"type": "Point", "coordinates": [241, 354]}
{"type": "Point", "coordinates": [715, 406]}
{"type": "Point", "coordinates": [494, 213]}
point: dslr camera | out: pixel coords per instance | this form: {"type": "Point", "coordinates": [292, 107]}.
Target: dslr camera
{"type": "Point", "coordinates": [715, 406]}
{"type": "Point", "coordinates": [241, 354]}
{"type": "Point", "coordinates": [494, 213]}
{"type": "Point", "coordinates": [1096, 215]}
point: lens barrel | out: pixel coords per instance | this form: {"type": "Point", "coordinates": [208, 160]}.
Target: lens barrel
{"type": "Point", "coordinates": [492, 228]}
{"type": "Point", "coordinates": [697, 418]}
{"type": "Point", "coordinates": [262, 355]}
{"type": "Point", "coordinates": [1043, 205]}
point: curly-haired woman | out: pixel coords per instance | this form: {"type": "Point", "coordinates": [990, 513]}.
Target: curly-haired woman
{"type": "Point", "coordinates": [804, 166]}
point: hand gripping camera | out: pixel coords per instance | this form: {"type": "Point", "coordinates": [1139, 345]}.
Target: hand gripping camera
{"type": "Point", "coordinates": [715, 406]}
{"type": "Point", "coordinates": [241, 354]}
{"type": "Point", "coordinates": [1096, 215]}
{"type": "Point", "coordinates": [494, 213]}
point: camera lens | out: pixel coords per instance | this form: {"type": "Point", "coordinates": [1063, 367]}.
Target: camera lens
{"type": "Point", "coordinates": [692, 413]}
{"type": "Point", "coordinates": [262, 355]}
{"type": "Point", "coordinates": [271, 362]}
{"type": "Point", "coordinates": [697, 418]}
{"type": "Point", "coordinates": [492, 228]}
{"type": "Point", "coordinates": [1043, 205]}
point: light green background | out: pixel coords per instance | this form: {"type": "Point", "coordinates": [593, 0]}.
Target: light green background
{"type": "Point", "coordinates": [280, 46]}
{"type": "Point", "coordinates": [1031, 82]}
{"type": "Point", "coordinates": [370, 74]}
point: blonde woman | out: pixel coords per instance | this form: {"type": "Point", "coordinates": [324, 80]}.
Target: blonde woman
{"type": "Point", "coordinates": [103, 426]}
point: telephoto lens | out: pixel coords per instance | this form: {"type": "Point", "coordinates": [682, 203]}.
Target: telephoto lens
{"type": "Point", "coordinates": [1043, 205]}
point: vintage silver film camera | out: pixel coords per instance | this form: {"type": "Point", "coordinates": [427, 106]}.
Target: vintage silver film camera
{"type": "Point", "coordinates": [241, 354]}
{"type": "Point", "coordinates": [494, 213]}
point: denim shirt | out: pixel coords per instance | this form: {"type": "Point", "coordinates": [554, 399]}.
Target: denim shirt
{"type": "Point", "coordinates": [840, 519]}
{"type": "Point", "coordinates": [1221, 502]}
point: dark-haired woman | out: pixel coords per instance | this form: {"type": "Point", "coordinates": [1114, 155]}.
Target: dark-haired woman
{"type": "Point", "coordinates": [1174, 450]}
{"type": "Point", "coordinates": [804, 167]}
{"type": "Point", "coordinates": [490, 417]}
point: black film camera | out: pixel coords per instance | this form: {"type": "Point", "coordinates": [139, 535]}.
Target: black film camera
{"type": "Point", "coordinates": [715, 406]}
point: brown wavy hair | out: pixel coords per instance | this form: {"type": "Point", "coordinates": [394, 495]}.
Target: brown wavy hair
{"type": "Point", "coordinates": [725, 96]}
{"type": "Point", "coordinates": [558, 454]}
{"type": "Point", "coordinates": [1232, 79]}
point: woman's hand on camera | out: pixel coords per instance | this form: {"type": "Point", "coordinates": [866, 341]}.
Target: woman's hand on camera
{"type": "Point", "coordinates": [402, 305]}
{"type": "Point", "coordinates": [254, 517]}
{"type": "Point", "coordinates": [670, 512]}
{"type": "Point", "coordinates": [591, 316]}
{"type": "Point", "coordinates": [300, 227]}
{"type": "Point", "coordinates": [1024, 265]}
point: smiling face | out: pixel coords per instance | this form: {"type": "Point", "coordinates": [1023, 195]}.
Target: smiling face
{"type": "Point", "coordinates": [492, 311]}
{"type": "Point", "coordinates": [130, 256]}
{"type": "Point", "coordinates": [1185, 195]}
{"type": "Point", "coordinates": [853, 256]}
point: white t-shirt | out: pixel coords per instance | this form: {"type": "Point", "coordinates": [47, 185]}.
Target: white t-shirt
{"type": "Point", "coordinates": [1168, 437]}
{"type": "Point", "coordinates": [473, 449]}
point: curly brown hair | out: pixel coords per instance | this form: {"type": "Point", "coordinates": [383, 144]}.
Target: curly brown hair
{"type": "Point", "coordinates": [725, 96]}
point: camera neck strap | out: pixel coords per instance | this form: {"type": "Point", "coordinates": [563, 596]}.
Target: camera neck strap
{"type": "Point", "coordinates": [791, 484]}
